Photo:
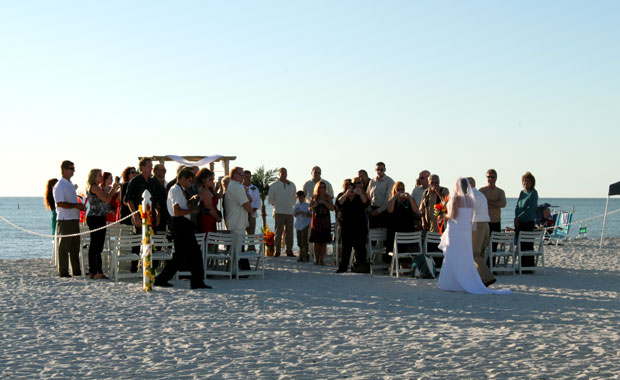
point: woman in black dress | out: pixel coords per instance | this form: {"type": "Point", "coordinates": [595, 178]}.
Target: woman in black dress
{"type": "Point", "coordinates": [352, 205]}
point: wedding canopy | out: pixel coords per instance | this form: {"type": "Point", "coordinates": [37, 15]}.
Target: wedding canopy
{"type": "Point", "coordinates": [197, 160]}
{"type": "Point", "coordinates": [614, 189]}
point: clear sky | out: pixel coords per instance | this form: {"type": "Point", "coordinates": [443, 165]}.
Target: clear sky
{"type": "Point", "coordinates": [455, 87]}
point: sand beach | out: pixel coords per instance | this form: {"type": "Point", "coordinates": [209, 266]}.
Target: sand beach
{"type": "Point", "coordinates": [307, 322]}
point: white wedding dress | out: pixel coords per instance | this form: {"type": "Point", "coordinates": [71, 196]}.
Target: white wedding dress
{"type": "Point", "coordinates": [458, 272]}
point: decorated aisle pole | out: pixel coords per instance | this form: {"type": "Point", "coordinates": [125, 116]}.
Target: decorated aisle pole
{"type": "Point", "coordinates": [148, 277]}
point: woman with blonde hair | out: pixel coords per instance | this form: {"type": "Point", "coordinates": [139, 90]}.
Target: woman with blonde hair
{"type": "Point", "coordinates": [320, 227]}
{"type": "Point", "coordinates": [95, 219]}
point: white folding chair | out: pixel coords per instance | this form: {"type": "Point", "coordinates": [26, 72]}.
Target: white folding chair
{"type": "Point", "coordinates": [404, 238]}
{"type": "Point", "coordinates": [536, 238]}
{"type": "Point", "coordinates": [433, 238]}
{"type": "Point", "coordinates": [335, 245]}
{"type": "Point", "coordinates": [376, 249]}
{"type": "Point", "coordinates": [200, 239]}
{"type": "Point", "coordinates": [163, 249]}
{"type": "Point", "coordinates": [256, 257]}
{"type": "Point", "coordinates": [84, 247]}
{"type": "Point", "coordinates": [503, 258]}
{"type": "Point", "coordinates": [112, 235]}
{"type": "Point", "coordinates": [219, 258]}
{"type": "Point", "coordinates": [122, 252]}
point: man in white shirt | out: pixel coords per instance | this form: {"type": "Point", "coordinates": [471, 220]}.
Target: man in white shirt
{"type": "Point", "coordinates": [238, 209]}
{"type": "Point", "coordinates": [253, 193]}
{"type": "Point", "coordinates": [237, 203]}
{"type": "Point", "coordinates": [185, 245]}
{"type": "Point", "coordinates": [68, 221]}
{"type": "Point", "coordinates": [480, 233]}
{"type": "Point", "coordinates": [379, 192]}
{"type": "Point", "coordinates": [421, 185]}
{"type": "Point", "coordinates": [282, 197]}
{"type": "Point", "coordinates": [311, 183]}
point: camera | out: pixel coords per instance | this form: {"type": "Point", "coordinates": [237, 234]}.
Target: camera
{"type": "Point", "coordinates": [193, 201]}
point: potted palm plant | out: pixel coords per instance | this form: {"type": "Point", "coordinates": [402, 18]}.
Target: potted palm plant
{"type": "Point", "coordinates": [262, 179]}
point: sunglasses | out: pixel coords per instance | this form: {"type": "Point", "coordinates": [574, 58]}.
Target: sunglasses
{"type": "Point", "coordinates": [434, 183]}
{"type": "Point", "coordinates": [400, 189]}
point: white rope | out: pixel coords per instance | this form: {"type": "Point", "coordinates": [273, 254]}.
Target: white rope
{"type": "Point", "coordinates": [61, 236]}
{"type": "Point", "coordinates": [135, 212]}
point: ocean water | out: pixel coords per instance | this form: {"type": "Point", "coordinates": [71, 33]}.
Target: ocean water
{"type": "Point", "coordinates": [30, 214]}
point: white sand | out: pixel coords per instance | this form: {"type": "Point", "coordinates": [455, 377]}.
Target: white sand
{"type": "Point", "coordinates": [305, 321]}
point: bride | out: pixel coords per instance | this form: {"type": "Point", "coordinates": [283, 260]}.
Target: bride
{"type": "Point", "coordinates": [458, 272]}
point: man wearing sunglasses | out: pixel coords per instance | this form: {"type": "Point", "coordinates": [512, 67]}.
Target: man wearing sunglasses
{"type": "Point", "coordinates": [68, 209]}
{"type": "Point", "coordinates": [421, 185]}
{"type": "Point", "coordinates": [379, 191]}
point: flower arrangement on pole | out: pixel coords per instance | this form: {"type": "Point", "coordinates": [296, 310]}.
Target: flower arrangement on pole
{"type": "Point", "coordinates": [148, 275]}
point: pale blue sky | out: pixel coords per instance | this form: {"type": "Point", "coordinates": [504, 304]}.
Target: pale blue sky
{"type": "Point", "coordinates": [455, 87]}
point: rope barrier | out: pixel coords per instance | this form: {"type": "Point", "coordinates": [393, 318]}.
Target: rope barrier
{"type": "Point", "coordinates": [71, 235]}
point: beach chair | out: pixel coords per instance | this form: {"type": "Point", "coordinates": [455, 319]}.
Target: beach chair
{"type": "Point", "coordinates": [404, 238]}
{"type": "Point", "coordinates": [376, 249]}
{"type": "Point", "coordinates": [122, 253]}
{"type": "Point", "coordinates": [220, 254]}
{"type": "Point", "coordinates": [537, 251]}
{"type": "Point", "coordinates": [562, 227]}
{"type": "Point", "coordinates": [255, 257]}
{"type": "Point", "coordinates": [433, 238]}
{"type": "Point", "coordinates": [503, 258]}
{"type": "Point", "coordinates": [583, 233]}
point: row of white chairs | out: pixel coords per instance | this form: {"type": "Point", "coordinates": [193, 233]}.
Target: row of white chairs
{"type": "Point", "coordinates": [221, 252]}
{"type": "Point", "coordinates": [507, 257]}
{"type": "Point", "coordinates": [419, 239]}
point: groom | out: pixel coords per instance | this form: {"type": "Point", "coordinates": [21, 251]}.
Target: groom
{"type": "Point", "coordinates": [480, 234]}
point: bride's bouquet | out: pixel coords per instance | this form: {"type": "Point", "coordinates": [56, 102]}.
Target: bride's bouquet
{"type": "Point", "coordinates": [440, 209]}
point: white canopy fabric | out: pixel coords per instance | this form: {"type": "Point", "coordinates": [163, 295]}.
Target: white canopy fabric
{"type": "Point", "coordinates": [203, 161]}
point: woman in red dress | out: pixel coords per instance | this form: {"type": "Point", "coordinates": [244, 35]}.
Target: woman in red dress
{"type": "Point", "coordinates": [208, 199]}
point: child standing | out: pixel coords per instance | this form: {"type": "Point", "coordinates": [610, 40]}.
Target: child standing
{"type": "Point", "coordinates": [302, 225]}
